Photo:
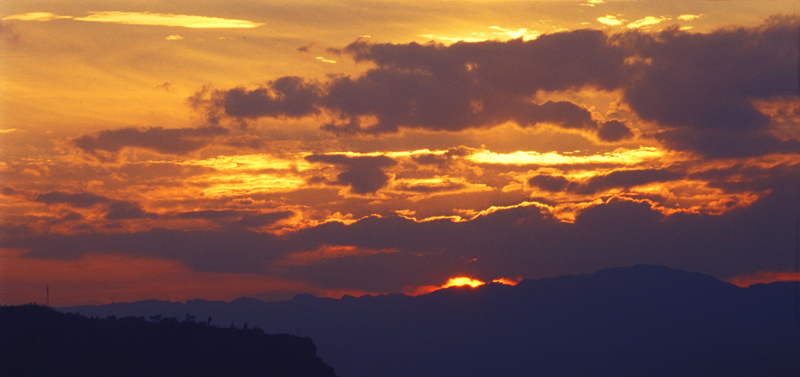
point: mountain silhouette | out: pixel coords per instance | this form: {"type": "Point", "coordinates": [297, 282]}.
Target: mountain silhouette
{"type": "Point", "coordinates": [39, 341]}
{"type": "Point", "coordinates": [637, 321]}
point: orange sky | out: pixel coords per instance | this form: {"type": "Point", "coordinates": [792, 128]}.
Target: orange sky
{"type": "Point", "coordinates": [179, 150]}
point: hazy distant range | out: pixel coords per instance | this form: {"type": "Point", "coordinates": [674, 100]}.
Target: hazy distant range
{"type": "Point", "coordinates": [638, 321]}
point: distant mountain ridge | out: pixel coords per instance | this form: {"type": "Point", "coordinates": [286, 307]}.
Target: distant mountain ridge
{"type": "Point", "coordinates": [642, 320]}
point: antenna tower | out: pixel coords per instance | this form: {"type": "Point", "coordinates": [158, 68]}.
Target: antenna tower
{"type": "Point", "coordinates": [47, 297]}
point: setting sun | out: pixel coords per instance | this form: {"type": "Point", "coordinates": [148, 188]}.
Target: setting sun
{"type": "Point", "coordinates": [462, 281]}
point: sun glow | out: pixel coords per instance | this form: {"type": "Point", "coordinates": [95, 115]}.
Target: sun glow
{"type": "Point", "coordinates": [461, 281]}
{"type": "Point", "coordinates": [506, 281]}
{"type": "Point", "coordinates": [458, 281]}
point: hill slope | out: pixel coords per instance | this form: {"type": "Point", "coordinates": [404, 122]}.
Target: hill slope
{"type": "Point", "coordinates": [38, 341]}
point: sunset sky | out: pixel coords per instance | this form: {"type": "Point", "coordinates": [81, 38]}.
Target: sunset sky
{"type": "Point", "coordinates": [175, 149]}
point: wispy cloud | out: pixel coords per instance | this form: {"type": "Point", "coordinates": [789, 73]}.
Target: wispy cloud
{"type": "Point", "coordinates": [324, 60]}
{"type": "Point", "coordinates": [523, 33]}
{"type": "Point", "coordinates": [610, 20]}
{"type": "Point", "coordinates": [647, 21]}
{"type": "Point", "coordinates": [161, 19]}
{"type": "Point", "coordinates": [144, 18]}
{"type": "Point", "coordinates": [592, 3]}
{"type": "Point", "coordinates": [690, 17]}
{"type": "Point", "coordinates": [496, 33]}
{"type": "Point", "coordinates": [35, 16]}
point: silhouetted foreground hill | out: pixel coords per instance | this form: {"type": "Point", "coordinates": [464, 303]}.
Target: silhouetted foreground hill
{"type": "Point", "coordinates": [638, 321]}
{"type": "Point", "coordinates": [38, 341]}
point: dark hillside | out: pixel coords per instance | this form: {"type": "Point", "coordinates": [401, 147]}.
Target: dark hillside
{"type": "Point", "coordinates": [39, 341]}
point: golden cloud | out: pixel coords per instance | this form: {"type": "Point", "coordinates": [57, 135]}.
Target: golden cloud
{"type": "Point", "coordinates": [610, 20]}
{"type": "Point", "coordinates": [620, 156]}
{"type": "Point", "coordinates": [161, 19]}
{"type": "Point", "coordinates": [35, 16]}
{"type": "Point", "coordinates": [647, 21]}
{"type": "Point", "coordinates": [689, 17]}
{"type": "Point", "coordinates": [143, 18]}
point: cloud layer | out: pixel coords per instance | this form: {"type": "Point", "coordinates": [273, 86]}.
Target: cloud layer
{"type": "Point", "coordinates": [524, 240]}
{"type": "Point", "coordinates": [163, 140]}
{"type": "Point", "coordinates": [403, 164]}
{"type": "Point", "coordinates": [714, 79]}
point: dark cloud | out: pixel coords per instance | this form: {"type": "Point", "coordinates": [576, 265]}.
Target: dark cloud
{"type": "Point", "coordinates": [8, 191]}
{"type": "Point", "coordinates": [397, 269]}
{"type": "Point", "coordinates": [745, 177]}
{"type": "Point", "coordinates": [120, 210]}
{"type": "Point", "coordinates": [288, 96]}
{"type": "Point", "coordinates": [210, 214]}
{"type": "Point", "coordinates": [726, 144]}
{"type": "Point", "coordinates": [72, 216]}
{"type": "Point", "coordinates": [305, 48]}
{"type": "Point", "coordinates": [614, 130]}
{"type": "Point", "coordinates": [559, 61]}
{"type": "Point", "coordinates": [80, 200]}
{"type": "Point", "coordinates": [247, 219]}
{"type": "Point", "coordinates": [552, 183]}
{"type": "Point", "coordinates": [707, 81]}
{"type": "Point", "coordinates": [231, 250]}
{"type": "Point", "coordinates": [705, 84]}
{"type": "Point", "coordinates": [414, 99]}
{"type": "Point", "coordinates": [446, 88]}
{"type": "Point", "coordinates": [627, 179]}
{"type": "Point", "coordinates": [364, 174]}
{"type": "Point", "coordinates": [561, 113]}
{"type": "Point", "coordinates": [527, 242]}
{"type": "Point", "coordinates": [264, 219]}
{"type": "Point", "coordinates": [168, 141]}
{"type": "Point", "coordinates": [695, 87]}
{"type": "Point", "coordinates": [603, 182]}
{"type": "Point", "coordinates": [115, 209]}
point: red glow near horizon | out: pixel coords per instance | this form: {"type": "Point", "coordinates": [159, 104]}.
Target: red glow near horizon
{"type": "Point", "coordinates": [762, 277]}
{"type": "Point", "coordinates": [506, 281]}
